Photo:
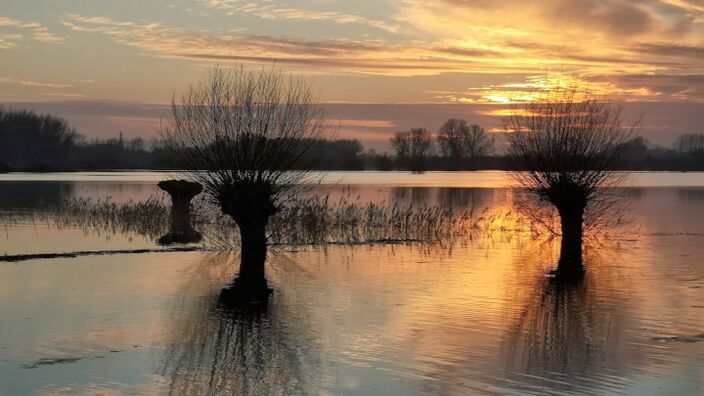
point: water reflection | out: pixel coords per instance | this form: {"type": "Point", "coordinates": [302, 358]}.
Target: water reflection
{"type": "Point", "coordinates": [403, 319]}
{"type": "Point", "coordinates": [414, 195]}
{"type": "Point", "coordinates": [474, 198]}
{"type": "Point", "coordinates": [568, 336]}
{"type": "Point", "coordinates": [28, 195]}
{"type": "Point", "coordinates": [256, 349]}
{"type": "Point", "coordinates": [476, 317]}
{"type": "Point", "coordinates": [695, 195]}
{"type": "Point", "coordinates": [48, 194]}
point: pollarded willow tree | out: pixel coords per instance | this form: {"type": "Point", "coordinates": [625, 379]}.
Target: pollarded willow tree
{"type": "Point", "coordinates": [245, 136]}
{"type": "Point", "coordinates": [565, 148]}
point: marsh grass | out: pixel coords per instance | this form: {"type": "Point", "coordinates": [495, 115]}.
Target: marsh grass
{"type": "Point", "coordinates": [149, 218]}
{"type": "Point", "coordinates": [317, 220]}
{"type": "Point", "coordinates": [306, 220]}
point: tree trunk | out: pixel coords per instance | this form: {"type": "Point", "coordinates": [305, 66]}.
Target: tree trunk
{"type": "Point", "coordinates": [181, 192]}
{"type": "Point", "coordinates": [253, 250]}
{"type": "Point", "coordinates": [251, 215]}
{"type": "Point", "coordinates": [570, 263]}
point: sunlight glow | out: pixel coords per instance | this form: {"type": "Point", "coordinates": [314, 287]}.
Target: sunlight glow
{"type": "Point", "coordinates": [536, 87]}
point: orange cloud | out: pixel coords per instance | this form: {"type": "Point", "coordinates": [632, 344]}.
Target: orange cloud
{"type": "Point", "coordinates": [30, 83]}
{"type": "Point", "coordinates": [25, 30]}
{"type": "Point", "coordinates": [276, 12]}
{"type": "Point", "coordinates": [365, 123]}
{"type": "Point", "coordinates": [598, 41]}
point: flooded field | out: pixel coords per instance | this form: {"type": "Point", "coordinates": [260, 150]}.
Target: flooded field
{"type": "Point", "coordinates": [472, 316]}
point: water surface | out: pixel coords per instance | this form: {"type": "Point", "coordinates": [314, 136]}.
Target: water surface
{"type": "Point", "coordinates": [465, 317]}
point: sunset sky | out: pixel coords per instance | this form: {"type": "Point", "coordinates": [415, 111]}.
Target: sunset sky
{"type": "Point", "coordinates": [381, 65]}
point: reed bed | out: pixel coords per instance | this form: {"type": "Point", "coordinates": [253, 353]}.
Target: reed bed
{"type": "Point", "coordinates": [307, 220]}
{"type": "Point", "coordinates": [149, 218]}
{"type": "Point", "coordinates": [316, 220]}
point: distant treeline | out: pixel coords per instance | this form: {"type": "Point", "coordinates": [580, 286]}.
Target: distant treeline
{"type": "Point", "coordinates": [39, 142]}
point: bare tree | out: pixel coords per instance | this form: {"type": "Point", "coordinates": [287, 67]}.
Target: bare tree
{"type": "Point", "coordinates": [413, 147]}
{"type": "Point", "coordinates": [460, 141]}
{"type": "Point", "coordinates": [565, 147]}
{"type": "Point", "coordinates": [690, 144]}
{"type": "Point", "coordinates": [245, 137]}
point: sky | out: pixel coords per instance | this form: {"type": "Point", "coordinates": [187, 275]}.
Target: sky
{"type": "Point", "coordinates": [378, 65]}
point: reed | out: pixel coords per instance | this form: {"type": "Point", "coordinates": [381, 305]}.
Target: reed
{"type": "Point", "coordinates": [318, 221]}
{"type": "Point", "coordinates": [148, 218]}
{"type": "Point", "coordinates": [308, 220]}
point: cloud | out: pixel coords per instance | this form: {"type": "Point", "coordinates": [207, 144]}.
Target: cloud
{"type": "Point", "coordinates": [604, 38]}
{"type": "Point", "coordinates": [673, 50]}
{"type": "Point", "coordinates": [537, 86]}
{"type": "Point", "coordinates": [614, 17]}
{"type": "Point", "coordinates": [556, 20]}
{"type": "Point", "coordinates": [30, 83]}
{"type": "Point", "coordinates": [46, 88]}
{"type": "Point", "coordinates": [603, 29]}
{"type": "Point", "coordinates": [62, 94]}
{"type": "Point", "coordinates": [9, 40]}
{"type": "Point", "coordinates": [401, 58]}
{"type": "Point", "coordinates": [347, 56]}
{"type": "Point", "coordinates": [24, 30]}
{"type": "Point", "coordinates": [682, 87]}
{"type": "Point", "coordinates": [282, 12]}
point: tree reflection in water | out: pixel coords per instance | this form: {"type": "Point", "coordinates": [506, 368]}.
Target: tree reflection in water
{"type": "Point", "coordinates": [257, 349]}
{"type": "Point", "coordinates": [568, 334]}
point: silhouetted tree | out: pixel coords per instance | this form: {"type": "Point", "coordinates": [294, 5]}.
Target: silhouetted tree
{"type": "Point", "coordinates": [413, 148]}
{"type": "Point", "coordinates": [246, 136]}
{"type": "Point", "coordinates": [31, 141]}
{"type": "Point", "coordinates": [634, 151]}
{"type": "Point", "coordinates": [690, 144]}
{"type": "Point", "coordinates": [460, 141]}
{"type": "Point", "coordinates": [339, 154]}
{"type": "Point", "coordinates": [565, 147]}
{"type": "Point", "coordinates": [382, 162]}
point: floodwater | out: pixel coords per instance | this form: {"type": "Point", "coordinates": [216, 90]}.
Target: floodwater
{"type": "Point", "coordinates": [470, 317]}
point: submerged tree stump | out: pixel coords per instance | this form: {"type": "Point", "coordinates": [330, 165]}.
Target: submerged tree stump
{"type": "Point", "coordinates": [181, 192]}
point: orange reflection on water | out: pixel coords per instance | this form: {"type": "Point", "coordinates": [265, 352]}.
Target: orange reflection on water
{"type": "Point", "coordinates": [470, 316]}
